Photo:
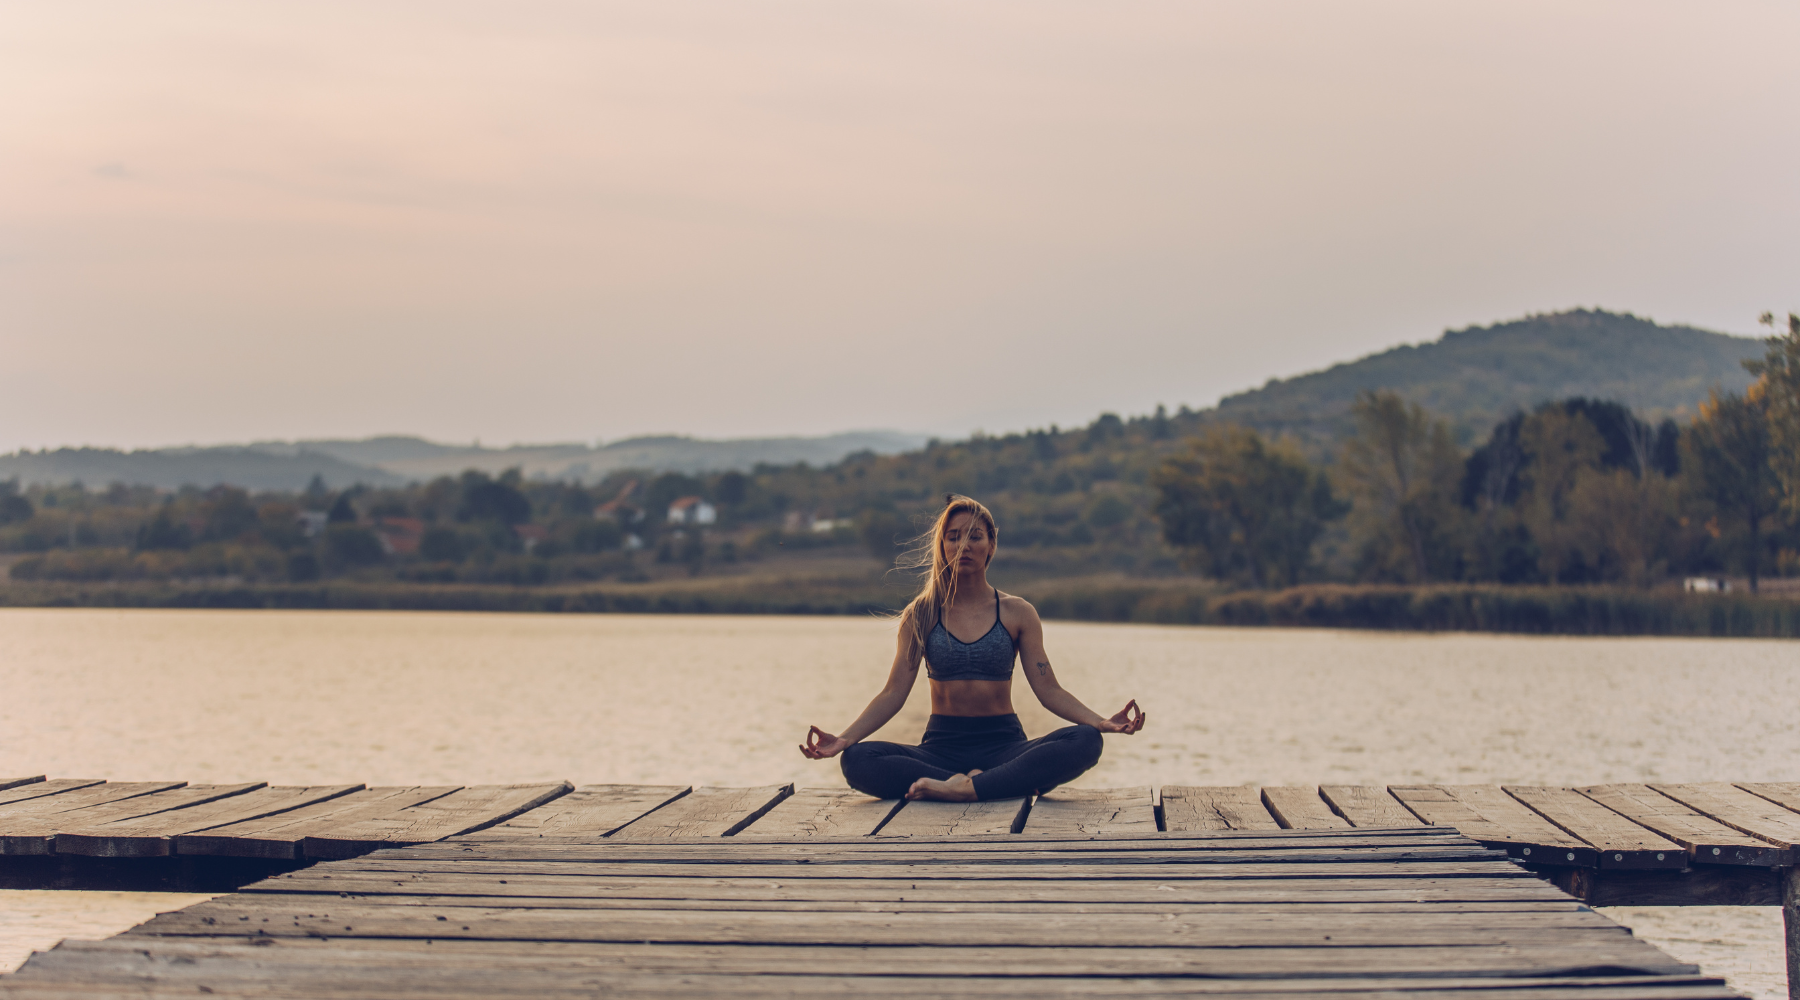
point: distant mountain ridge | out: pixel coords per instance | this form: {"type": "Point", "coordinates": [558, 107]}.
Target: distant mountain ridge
{"type": "Point", "coordinates": [396, 460]}
{"type": "Point", "coordinates": [1477, 376]}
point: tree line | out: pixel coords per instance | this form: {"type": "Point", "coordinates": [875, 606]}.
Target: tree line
{"type": "Point", "coordinates": [1574, 491]}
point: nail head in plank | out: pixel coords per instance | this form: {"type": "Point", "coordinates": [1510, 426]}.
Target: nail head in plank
{"type": "Point", "coordinates": [279, 837]}
{"type": "Point", "coordinates": [588, 811]}
{"type": "Point", "coordinates": [153, 836]}
{"type": "Point", "coordinates": [1367, 805]}
{"type": "Point", "coordinates": [1489, 815]}
{"type": "Point", "coordinates": [1211, 807]}
{"type": "Point", "coordinates": [462, 811]}
{"type": "Point", "coordinates": [824, 812]}
{"type": "Point", "coordinates": [1300, 808]}
{"type": "Point", "coordinates": [951, 819]}
{"type": "Point", "coordinates": [707, 812]}
{"type": "Point", "coordinates": [1706, 840]}
{"type": "Point", "coordinates": [1745, 812]}
{"type": "Point", "coordinates": [1099, 812]}
{"type": "Point", "coordinates": [1621, 843]}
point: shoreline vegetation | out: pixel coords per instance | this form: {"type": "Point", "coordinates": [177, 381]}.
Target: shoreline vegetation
{"type": "Point", "coordinates": [1529, 610]}
{"type": "Point", "coordinates": [1577, 516]}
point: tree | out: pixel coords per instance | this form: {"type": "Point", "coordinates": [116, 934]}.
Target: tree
{"type": "Point", "coordinates": [1625, 522]}
{"type": "Point", "coordinates": [1401, 472]}
{"type": "Point", "coordinates": [485, 499]}
{"type": "Point", "coordinates": [1779, 370]}
{"type": "Point", "coordinates": [1729, 461]}
{"type": "Point", "coordinates": [1559, 447]}
{"type": "Point", "coordinates": [342, 512]}
{"type": "Point", "coordinates": [1236, 506]}
{"type": "Point", "coordinates": [13, 507]}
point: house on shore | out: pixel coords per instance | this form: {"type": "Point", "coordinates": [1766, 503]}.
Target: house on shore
{"type": "Point", "coordinates": [692, 510]}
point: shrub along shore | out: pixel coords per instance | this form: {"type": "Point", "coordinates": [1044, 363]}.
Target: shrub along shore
{"type": "Point", "coordinates": [1613, 611]}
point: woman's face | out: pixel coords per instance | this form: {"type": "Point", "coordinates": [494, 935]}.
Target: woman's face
{"type": "Point", "coordinates": [967, 544]}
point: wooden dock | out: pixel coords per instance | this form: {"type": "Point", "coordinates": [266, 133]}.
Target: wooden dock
{"type": "Point", "coordinates": [614, 890]}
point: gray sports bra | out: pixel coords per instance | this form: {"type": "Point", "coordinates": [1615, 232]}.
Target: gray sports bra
{"type": "Point", "coordinates": [989, 658]}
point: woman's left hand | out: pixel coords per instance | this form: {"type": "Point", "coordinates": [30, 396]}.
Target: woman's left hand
{"type": "Point", "coordinates": [1129, 720]}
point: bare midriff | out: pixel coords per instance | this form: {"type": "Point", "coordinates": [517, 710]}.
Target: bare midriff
{"type": "Point", "coordinates": [971, 698]}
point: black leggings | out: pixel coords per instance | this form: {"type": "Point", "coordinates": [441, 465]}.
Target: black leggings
{"type": "Point", "coordinates": [1011, 765]}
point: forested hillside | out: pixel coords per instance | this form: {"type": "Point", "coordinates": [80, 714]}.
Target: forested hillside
{"type": "Point", "coordinates": [1577, 489]}
{"type": "Point", "coordinates": [1475, 377]}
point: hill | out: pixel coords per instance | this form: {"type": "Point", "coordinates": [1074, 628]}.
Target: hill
{"type": "Point", "coordinates": [416, 458]}
{"type": "Point", "coordinates": [395, 461]}
{"type": "Point", "coordinates": [173, 468]}
{"type": "Point", "coordinates": [1479, 375]}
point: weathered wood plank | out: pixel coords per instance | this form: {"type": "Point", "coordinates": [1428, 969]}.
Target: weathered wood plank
{"type": "Point", "coordinates": [589, 811]}
{"type": "Point", "coordinates": [38, 790]}
{"type": "Point", "coordinates": [153, 836]}
{"type": "Point", "coordinates": [1201, 807]}
{"type": "Point", "coordinates": [905, 901]}
{"type": "Point", "coordinates": [1783, 793]}
{"type": "Point", "coordinates": [462, 811]}
{"type": "Point", "coordinates": [1300, 808]}
{"type": "Point", "coordinates": [1707, 841]}
{"type": "Point", "coordinates": [1240, 840]}
{"type": "Point", "coordinates": [1489, 815]}
{"type": "Point", "coordinates": [478, 982]}
{"type": "Point", "coordinates": [1256, 967]}
{"type": "Point", "coordinates": [739, 888]}
{"type": "Point", "coordinates": [903, 853]}
{"type": "Point", "coordinates": [6, 783]}
{"type": "Point", "coordinates": [324, 917]}
{"type": "Point", "coordinates": [707, 812]}
{"type": "Point", "coordinates": [25, 830]}
{"type": "Point", "coordinates": [1367, 805]}
{"type": "Point", "coordinates": [280, 836]}
{"type": "Point", "coordinates": [449, 968]}
{"type": "Point", "coordinates": [1146, 872]}
{"type": "Point", "coordinates": [30, 807]}
{"type": "Point", "coordinates": [1743, 811]}
{"type": "Point", "coordinates": [1621, 843]}
{"type": "Point", "coordinates": [1100, 812]}
{"type": "Point", "coordinates": [824, 812]}
{"type": "Point", "coordinates": [940, 819]}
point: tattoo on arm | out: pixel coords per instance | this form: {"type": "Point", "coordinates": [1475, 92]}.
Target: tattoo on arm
{"type": "Point", "coordinates": [1043, 668]}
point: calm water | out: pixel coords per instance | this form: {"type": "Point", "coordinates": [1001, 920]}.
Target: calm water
{"type": "Point", "coordinates": [399, 698]}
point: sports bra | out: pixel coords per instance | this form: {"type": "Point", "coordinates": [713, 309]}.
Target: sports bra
{"type": "Point", "coordinates": [989, 658]}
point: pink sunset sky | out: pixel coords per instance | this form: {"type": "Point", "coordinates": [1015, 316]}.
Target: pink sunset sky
{"type": "Point", "coordinates": [222, 221]}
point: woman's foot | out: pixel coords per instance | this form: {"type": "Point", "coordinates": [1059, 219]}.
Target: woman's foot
{"type": "Point", "coordinates": [956, 788]}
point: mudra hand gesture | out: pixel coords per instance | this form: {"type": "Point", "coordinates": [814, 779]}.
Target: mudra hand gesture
{"type": "Point", "coordinates": [1129, 720]}
{"type": "Point", "coordinates": [821, 744]}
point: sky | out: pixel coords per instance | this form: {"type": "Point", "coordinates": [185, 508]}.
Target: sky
{"type": "Point", "coordinates": [549, 221]}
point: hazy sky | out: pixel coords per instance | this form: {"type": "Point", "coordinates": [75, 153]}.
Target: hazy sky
{"type": "Point", "coordinates": [559, 221]}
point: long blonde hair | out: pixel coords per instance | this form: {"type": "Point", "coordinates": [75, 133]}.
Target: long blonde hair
{"type": "Point", "coordinates": [937, 575]}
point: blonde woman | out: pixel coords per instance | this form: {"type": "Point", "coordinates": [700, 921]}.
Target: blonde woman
{"type": "Point", "coordinates": [974, 747]}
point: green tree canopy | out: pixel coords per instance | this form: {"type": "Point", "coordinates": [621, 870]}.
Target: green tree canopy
{"type": "Point", "coordinates": [1239, 507]}
{"type": "Point", "coordinates": [1402, 473]}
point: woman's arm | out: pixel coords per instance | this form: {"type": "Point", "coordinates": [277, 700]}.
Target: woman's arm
{"type": "Point", "coordinates": [884, 706]}
{"type": "Point", "coordinates": [1036, 663]}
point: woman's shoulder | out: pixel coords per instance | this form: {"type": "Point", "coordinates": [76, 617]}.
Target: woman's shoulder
{"type": "Point", "coordinates": [1014, 608]}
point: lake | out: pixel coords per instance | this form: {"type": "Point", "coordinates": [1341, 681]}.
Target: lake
{"type": "Point", "coordinates": [420, 698]}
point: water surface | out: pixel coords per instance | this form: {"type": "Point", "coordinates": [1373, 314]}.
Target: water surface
{"type": "Point", "coordinates": [409, 698]}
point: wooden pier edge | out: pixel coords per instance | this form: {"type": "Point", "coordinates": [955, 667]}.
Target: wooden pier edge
{"type": "Point", "coordinates": [1717, 843]}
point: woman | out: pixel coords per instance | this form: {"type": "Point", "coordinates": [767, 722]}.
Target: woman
{"type": "Point", "coordinates": [974, 747]}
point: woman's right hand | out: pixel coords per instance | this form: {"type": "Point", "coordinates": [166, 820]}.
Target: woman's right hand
{"type": "Point", "coordinates": [821, 744]}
